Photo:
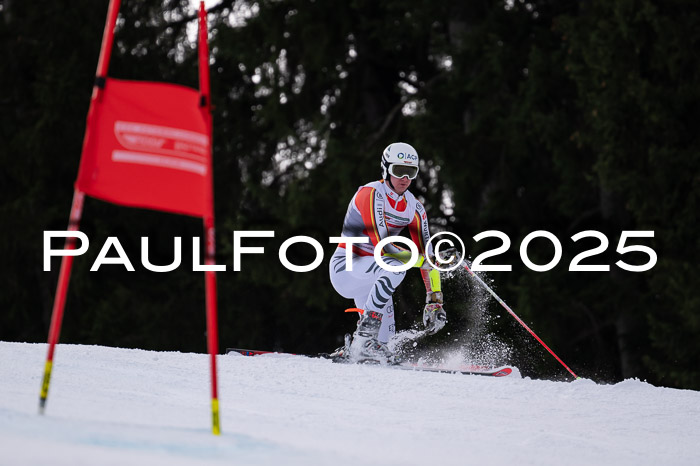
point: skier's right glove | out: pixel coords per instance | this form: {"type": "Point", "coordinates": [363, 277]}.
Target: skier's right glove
{"type": "Point", "coordinates": [434, 316]}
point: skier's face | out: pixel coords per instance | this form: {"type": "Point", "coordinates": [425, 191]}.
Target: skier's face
{"type": "Point", "coordinates": [401, 184]}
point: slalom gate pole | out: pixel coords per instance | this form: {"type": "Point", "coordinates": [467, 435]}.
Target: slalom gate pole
{"type": "Point", "coordinates": [520, 321]}
{"type": "Point", "coordinates": [209, 232]}
{"type": "Point", "coordinates": [105, 49]}
{"type": "Point", "coordinates": [212, 323]}
{"type": "Point", "coordinates": [77, 206]}
{"type": "Point", "coordinates": [59, 301]}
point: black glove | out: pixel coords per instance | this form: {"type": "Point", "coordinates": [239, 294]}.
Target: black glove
{"type": "Point", "coordinates": [451, 256]}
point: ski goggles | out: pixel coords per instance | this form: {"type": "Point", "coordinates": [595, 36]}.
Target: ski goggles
{"type": "Point", "coordinates": [399, 171]}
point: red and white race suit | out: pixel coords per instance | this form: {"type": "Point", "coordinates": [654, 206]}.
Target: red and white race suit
{"type": "Point", "coordinates": [377, 212]}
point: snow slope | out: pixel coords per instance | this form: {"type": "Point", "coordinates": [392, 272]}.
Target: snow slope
{"type": "Point", "coordinates": [112, 406]}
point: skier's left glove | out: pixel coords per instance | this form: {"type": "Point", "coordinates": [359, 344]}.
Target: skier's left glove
{"type": "Point", "coordinates": [434, 316]}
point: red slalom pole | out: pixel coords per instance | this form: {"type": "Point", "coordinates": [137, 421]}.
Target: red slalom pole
{"type": "Point", "coordinates": [209, 232]}
{"type": "Point", "coordinates": [106, 47]}
{"type": "Point", "coordinates": [59, 301]}
{"type": "Point", "coordinates": [212, 323]}
{"type": "Point", "coordinates": [77, 206]}
{"type": "Point", "coordinates": [510, 311]}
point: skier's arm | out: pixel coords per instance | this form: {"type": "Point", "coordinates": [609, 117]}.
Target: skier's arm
{"type": "Point", "coordinates": [434, 316]}
{"type": "Point", "coordinates": [420, 234]}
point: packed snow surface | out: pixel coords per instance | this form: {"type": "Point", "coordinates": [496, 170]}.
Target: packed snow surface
{"type": "Point", "coordinates": [112, 406]}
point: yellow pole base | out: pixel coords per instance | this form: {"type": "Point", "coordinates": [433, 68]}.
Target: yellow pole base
{"type": "Point", "coordinates": [45, 386]}
{"type": "Point", "coordinates": [216, 428]}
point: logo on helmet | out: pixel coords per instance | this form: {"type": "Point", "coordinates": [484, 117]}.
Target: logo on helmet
{"type": "Point", "coordinates": [402, 156]}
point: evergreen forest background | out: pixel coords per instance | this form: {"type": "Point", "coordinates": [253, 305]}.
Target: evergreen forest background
{"type": "Point", "coordinates": [562, 116]}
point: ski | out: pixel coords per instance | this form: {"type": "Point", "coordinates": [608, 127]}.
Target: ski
{"type": "Point", "coordinates": [500, 371]}
{"type": "Point", "coordinates": [247, 352]}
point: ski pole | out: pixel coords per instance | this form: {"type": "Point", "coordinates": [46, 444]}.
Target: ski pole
{"type": "Point", "coordinates": [510, 311]}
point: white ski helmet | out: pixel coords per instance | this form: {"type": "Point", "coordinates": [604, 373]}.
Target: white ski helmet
{"type": "Point", "coordinates": [399, 159]}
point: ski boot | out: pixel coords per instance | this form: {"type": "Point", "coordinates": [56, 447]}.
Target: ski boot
{"type": "Point", "coordinates": [341, 354]}
{"type": "Point", "coordinates": [365, 347]}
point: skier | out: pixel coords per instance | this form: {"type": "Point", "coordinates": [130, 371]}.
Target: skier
{"type": "Point", "coordinates": [377, 210]}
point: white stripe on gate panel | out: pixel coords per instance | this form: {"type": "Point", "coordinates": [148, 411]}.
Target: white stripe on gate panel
{"type": "Point", "coordinates": [162, 161]}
